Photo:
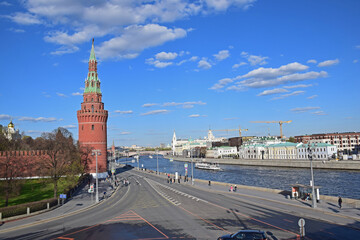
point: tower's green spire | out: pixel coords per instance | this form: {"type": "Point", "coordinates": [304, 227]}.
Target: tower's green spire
{"type": "Point", "coordinates": [92, 53]}
{"type": "Point", "coordinates": [92, 83]}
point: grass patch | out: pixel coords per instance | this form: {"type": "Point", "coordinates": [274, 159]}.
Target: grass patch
{"type": "Point", "coordinates": [32, 190]}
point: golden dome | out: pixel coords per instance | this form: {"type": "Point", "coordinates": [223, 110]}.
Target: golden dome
{"type": "Point", "coordinates": [10, 125]}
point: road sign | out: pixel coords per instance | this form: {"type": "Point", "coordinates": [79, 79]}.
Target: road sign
{"type": "Point", "coordinates": [185, 165]}
{"type": "Point", "coordinates": [112, 171]}
{"type": "Point", "coordinates": [63, 196]}
{"type": "Point", "coordinates": [301, 222]}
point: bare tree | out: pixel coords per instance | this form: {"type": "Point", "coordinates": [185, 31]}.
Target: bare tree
{"type": "Point", "coordinates": [60, 155]}
{"type": "Point", "coordinates": [85, 158]}
{"type": "Point", "coordinates": [11, 168]}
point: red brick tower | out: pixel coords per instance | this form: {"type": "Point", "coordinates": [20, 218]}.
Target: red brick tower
{"type": "Point", "coordinates": [92, 117]}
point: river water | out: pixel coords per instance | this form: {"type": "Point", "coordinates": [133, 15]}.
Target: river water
{"type": "Point", "coordinates": [333, 182]}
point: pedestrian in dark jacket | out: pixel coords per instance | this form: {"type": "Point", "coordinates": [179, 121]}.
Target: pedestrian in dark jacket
{"type": "Point", "coordinates": [340, 201]}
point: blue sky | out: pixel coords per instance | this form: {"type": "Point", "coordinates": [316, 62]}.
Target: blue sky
{"type": "Point", "coordinates": [183, 65]}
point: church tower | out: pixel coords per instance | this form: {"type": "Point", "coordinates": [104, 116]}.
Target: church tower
{"type": "Point", "coordinates": [93, 117]}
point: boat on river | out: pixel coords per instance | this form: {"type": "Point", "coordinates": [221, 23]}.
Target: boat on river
{"type": "Point", "coordinates": [208, 166]}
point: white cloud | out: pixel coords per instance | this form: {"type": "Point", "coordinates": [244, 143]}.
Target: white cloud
{"type": "Point", "coordinates": [155, 112]}
{"type": "Point", "coordinates": [266, 73]}
{"type": "Point", "coordinates": [172, 104]}
{"type": "Point", "coordinates": [268, 77]}
{"type": "Point", "coordinates": [3, 3]}
{"type": "Point", "coordinates": [328, 63]}
{"type": "Point", "coordinates": [295, 93]}
{"type": "Point", "coordinates": [204, 64]}
{"type": "Point", "coordinates": [312, 97]}
{"type": "Point", "coordinates": [163, 56]}
{"type": "Point", "coordinates": [149, 104]}
{"type": "Point", "coordinates": [312, 61]}
{"type": "Point", "coordinates": [39, 119]}
{"type": "Point", "coordinates": [137, 38]}
{"type": "Point", "coordinates": [69, 126]}
{"type": "Point", "coordinates": [124, 112]}
{"type": "Point", "coordinates": [194, 115]}
{"type": "Point", "coordinates": [320, 113]}
{"type": "Point", "coordinates": [355, 61]}
{"type": "Point", "coordinates": [304, 109]}
{"type": "Point", "coordinates": [24, 18]}
{"type": "Point", "coordinates": [34, 132]}
{"type": "Point", "coordinates": [261, 82]}
{"type": "Point", "coordinates": [61, 94]}
{"type": "Point", "coordinates": [191, 59]}
{"type": "Point", "coordinates": [157, 63]}
{"type": "Point", "coordinates": [237, 65]}
{"type": "Point", "coordinates": [5, 117]}
{"type": "Point", "coordinates": [65, 50]}
{"type": "Point", "coordinates": [222, 55]}
{"type": "Point", "coordinates": [272, 91]}
{"type": "Point", "coordinates": [358, 46]}
{"type": "Point", "coordinates": [254, 60]}
{"type": "Point", "coordinates": [221, 83]}
{"type": "Point", "coordinates": [111, 19]}
{"type": "Point", "coordinates": [77, 94]}
{"type": "Point", "coordinates": [222, 5]}
{"type": "Point", "coordinates": [16, 30]}
{"type": "Point", "coordinates": [124, 133]}
{"type": "Point", "coordinates": [298, 86]}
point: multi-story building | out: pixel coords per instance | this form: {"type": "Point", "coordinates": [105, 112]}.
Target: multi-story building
{"type": "Point", "coordinates": [318, 150]}
{"type": "Point", "coordinates": [273, 148]}
{"type": "Point", "coordinates": [346, 143]}
{"type": "Point", "coordinates": [179, 146]}
{"type": "Point", "coordinates": [225, 151]}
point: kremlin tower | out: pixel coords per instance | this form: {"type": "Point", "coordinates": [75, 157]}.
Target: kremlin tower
{"type": "Point", "coordinates": [92, 118]}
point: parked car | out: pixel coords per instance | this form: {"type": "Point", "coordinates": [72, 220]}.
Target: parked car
{"type": "Point", "coordinates": [246, 235]}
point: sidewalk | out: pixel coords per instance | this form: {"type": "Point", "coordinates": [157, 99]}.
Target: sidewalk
{"type": "Point", "coordinates": [81, 200]}
{"type": "Point", "coordinates": [278, 199]}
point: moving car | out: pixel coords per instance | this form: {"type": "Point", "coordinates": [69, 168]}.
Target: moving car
{"type": "Point", "coordinates": [246, 235]}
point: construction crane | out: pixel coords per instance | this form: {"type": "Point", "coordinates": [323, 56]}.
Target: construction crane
{"type": "Point", "coordinates": [229, 130]}
{"type": "Point", "coordinates": [279, 122]}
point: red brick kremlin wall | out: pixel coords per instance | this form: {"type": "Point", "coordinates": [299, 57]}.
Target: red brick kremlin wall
{"type": "Point", "coordinates": [30, 162]}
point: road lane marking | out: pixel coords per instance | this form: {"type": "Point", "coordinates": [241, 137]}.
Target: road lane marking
{"type": "Point", "coordinates": [254, 219]}
{"type": "Point", "coordinates": [151, 225]}
{"type": "Point", "coordinates": [62, 216]}
{"type": "Point", "coordinates": [205, 220]}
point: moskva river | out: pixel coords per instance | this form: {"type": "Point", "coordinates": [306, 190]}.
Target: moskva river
{"type": "Point", "coordinates": [333, 182]}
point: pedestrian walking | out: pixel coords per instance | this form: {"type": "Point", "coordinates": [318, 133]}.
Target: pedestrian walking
{"type": "Point", "coordinates": [231, 188]}
{"type": "Point", "coordinates": [339, 202]}
{"type": "Point", "coordinates": [209, 183]}
{"type": "Point", "coordinates": [235, 188]}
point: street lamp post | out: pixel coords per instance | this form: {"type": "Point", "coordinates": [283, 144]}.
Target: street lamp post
{"type": "Point", "coordinates": [157, 161]}
{"type": "Point", "coordinates": [313, 198]}
{"type": "Point", "coordinates": [192, 167]}
{"type": "Point", "coordinates": [97, 152]}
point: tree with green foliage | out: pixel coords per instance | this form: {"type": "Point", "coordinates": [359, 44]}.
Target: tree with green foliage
{"type": "Point", "coordinates": [291, 139]}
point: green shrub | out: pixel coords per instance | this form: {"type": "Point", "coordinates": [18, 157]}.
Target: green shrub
{"type": "Point", "coordinates": [22, 208]}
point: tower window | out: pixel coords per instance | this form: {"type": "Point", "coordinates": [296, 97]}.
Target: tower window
{"type": "Point", "coordinates": [82, 127]}
{"type": "Point", "coordinates": [92, 99]}
{"type": "Point", "coordinates": [92, 108]}
{"type": "Point", "coordinates": [92, 127]}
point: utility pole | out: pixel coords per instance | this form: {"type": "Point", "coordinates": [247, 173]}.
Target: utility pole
{"type": "Point", "coordinates": [96, 153]}
{"type": "Point", "coordinates": [313, 198]}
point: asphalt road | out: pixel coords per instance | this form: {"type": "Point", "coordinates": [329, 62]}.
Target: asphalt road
{"type": "Point", "coordinates": [151, 208]}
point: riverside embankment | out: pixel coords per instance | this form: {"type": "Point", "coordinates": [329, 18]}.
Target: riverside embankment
{"type": "Point", "coordinates": [353, 165]}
